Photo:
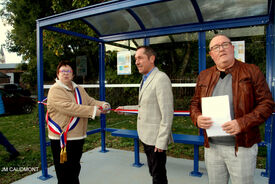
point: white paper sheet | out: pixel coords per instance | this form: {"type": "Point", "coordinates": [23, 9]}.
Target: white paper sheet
{"type": "Point", "coordinates": [216, 107]}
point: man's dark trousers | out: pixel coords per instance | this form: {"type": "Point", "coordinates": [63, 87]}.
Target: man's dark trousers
{"type": "Point", "coordinates": [156, 163]}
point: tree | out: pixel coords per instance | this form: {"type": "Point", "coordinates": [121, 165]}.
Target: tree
{"type": "Point", "coordinates": [22, 16]}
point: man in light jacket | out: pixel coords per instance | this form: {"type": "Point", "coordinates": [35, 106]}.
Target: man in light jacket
{"type": "Point", "coordinates": [155, 113]}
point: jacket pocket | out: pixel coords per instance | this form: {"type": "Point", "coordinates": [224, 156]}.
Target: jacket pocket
{"type": "Point", "coordinates": [245, 85]}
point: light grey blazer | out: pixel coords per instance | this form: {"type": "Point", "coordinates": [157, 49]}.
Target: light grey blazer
{"type": "Point", "coordinates": [156, 110]}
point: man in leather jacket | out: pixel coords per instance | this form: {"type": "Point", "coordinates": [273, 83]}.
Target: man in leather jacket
{"type": "Point", "coordinates": [250, 100]}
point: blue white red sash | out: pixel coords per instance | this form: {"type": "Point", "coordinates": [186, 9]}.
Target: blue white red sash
{"type": "Point", "coordinates": [55, 128]}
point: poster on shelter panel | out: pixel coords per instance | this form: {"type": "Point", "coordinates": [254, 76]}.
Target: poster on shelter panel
{"type": "Point", "coordinates": [239, 50]}
{"type": "Point", "coordinates": [81, 65]}
{"type": "Point", "coordinates": [124, 63]}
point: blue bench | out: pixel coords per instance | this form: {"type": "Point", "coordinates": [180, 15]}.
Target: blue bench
{"type": "Point", "coordinates": [197, 141]}
{"type": "Point", "coordinates": [130, 134]}
{"type": "Point", "coordinates": [178, 138]}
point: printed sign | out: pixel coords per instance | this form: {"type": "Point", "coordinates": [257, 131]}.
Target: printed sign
{"type": "Point", "coordinates": [239, 50]}
{"type": "Point", "coordinates": [124, 63]}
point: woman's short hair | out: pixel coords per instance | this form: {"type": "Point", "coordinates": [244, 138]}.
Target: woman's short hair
{"type": "Point", "coordinates": [63, 63]}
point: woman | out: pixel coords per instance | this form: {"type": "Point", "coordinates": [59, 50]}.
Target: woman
{"type": "Point", "coordinates": [69, 107]}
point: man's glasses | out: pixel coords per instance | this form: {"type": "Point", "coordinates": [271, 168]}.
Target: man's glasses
{"type": "Point", "coordinates": [65, 71]}
{"type": "Point", "coordinates": [224, 45]}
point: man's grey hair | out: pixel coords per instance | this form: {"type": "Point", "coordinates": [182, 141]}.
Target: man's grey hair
{"type": "Point", "coordinates": [216, 35]}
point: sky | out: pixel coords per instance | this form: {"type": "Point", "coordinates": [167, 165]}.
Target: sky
{"type": "Point", "coordinates": [11, 57]}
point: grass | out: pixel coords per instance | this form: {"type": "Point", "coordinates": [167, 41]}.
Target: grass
{"type": "Point", "coordinates": [23, 132]}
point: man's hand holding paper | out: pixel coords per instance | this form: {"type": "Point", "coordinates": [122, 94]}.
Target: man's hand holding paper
{"type": "Point", "coordinates": [217, 108]}
{"type": "Point", "coordinates": [231, 127]}
{"type": "Point", "coordinates": [204, 122]}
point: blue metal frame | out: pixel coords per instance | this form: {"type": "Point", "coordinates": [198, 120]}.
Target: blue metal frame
{"type": "Point", "coordinates": [102, 93]}
{"type": "Point", "coordinates": [136, 17]}
{"type": "Point", "coordinates": [198, 11]}
{"type": "Point", "coordinates": [40, 82]}
{"type": "Point", "coordinates": [272, 152]}
{"type": "Point", "coordinates": [137, 161]}
{"type": "Point", "coordinates": [129, 134]}
{"type": "Point", "coordinates": [195, 171]}
{"type": "Point", "coordinates": [48, 22]}
{"type": "Point", "coordinates": [146, 41]}
{"type": "Point", "coordinates": [202, 55]}
{"type": "Point", "coordinates": [71, 33]}
{"type": "Point", "coordinates": [92, 27]}
{"type": "Point", "coordinates": [271, 83]}
{"type": "Point", "coordinates": [202, 51]}
{"type": "Point", "coordinates": [268, 123]}
{"type": "Point", "coordinates": [94, 131]}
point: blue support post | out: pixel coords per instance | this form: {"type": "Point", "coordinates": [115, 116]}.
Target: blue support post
{"type": "Point", "coordinates": [268, 123]}
{"type": "Point", "coordinates": [202, 51]}
{"type": "Point", "coordinates": [267, 143]}
{"type": "Point", "coordinates": [272, 153]}
{"type": "Point", "coordinates": [196, 172]}
{"type": "Point", "coordinates": [137, 162]}
{"type": "Point", "coordinates": [102, 93]}
{"type": "Point", "coordinates": [146, 41]}
{"type": "Point", "coordinates": [44, 168]}
{"type": "Point", "coordinates": [271, 83]}
{"type": "Point", "coordinates": [202, 56]}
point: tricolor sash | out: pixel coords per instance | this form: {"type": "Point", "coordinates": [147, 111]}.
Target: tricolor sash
{"type": "Point", "coordinates": [55, 128]}
{"type": "Point", "coordinates": [135, 111]}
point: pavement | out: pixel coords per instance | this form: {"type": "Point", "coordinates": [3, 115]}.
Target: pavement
{"type": "Point", "coordinates": [115, 166]}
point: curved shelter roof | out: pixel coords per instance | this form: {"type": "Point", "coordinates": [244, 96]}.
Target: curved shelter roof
{"type": "Point", "coordinates": [126, 19]}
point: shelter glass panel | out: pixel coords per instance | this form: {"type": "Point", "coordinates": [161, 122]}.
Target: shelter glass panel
{"type": "Point", "coordinates": [177, 56]}
{"type": "Point", "coordinates": [122, 45]}
{"type": "Point", "coordinates": [114, 22]}
{"type": "Point", "coordinates": [229, 9]}
{"type": "Point", "coordinates": [169, 13]}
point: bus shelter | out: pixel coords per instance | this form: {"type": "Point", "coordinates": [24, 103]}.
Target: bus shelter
{"type": "Point", "coordinates": [145, 20]}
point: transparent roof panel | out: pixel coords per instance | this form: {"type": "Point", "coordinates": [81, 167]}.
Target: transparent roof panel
{"type": "Point", "coordinates": [228, 9]}
{"type": "Point", "coordinates": [126, 43]}
{"type": "Point", "coordinates": [186, 37]}
{"type": "Point", "coordinates": [238, 32]}
{"type": "Point", "coordinates": [169, 13]}
{"type": "Point", "coordinates": [160, 39]}
{"type": "Point", "coordinates": [174, 38]}
{"type": "Point", "coordinates": [114, 22]}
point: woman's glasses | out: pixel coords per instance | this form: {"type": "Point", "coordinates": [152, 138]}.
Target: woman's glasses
{"type": "Point", "coordinates": [65, 71]}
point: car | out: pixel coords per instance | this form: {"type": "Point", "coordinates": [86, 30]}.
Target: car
{"type": "Point", "coordinates": [17, 103]}
{"type": "Point", "coordinates": [15, 88]}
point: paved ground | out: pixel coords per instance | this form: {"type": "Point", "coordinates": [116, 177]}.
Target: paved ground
{"type": "Point", "coordinates": [115, 167]}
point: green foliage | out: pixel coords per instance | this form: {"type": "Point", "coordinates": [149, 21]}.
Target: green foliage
{"type": "Point", "coordinates": [22, 16]}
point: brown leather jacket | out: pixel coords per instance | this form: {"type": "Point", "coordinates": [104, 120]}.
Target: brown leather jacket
{"type": "Point", "coordinates": [252, 99]}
